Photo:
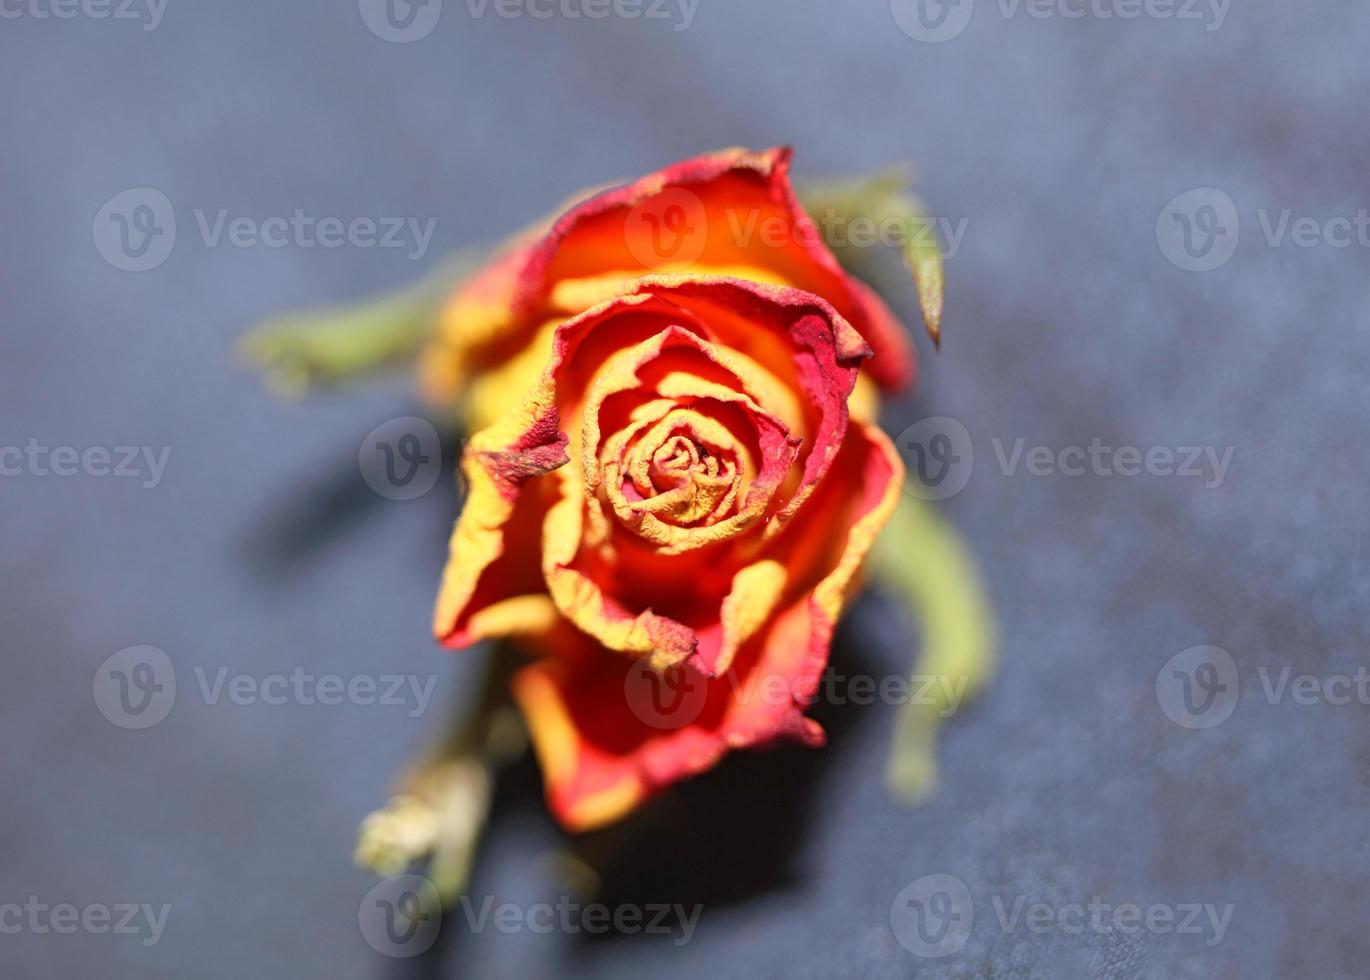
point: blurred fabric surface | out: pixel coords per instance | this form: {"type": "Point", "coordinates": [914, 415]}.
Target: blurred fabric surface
{"type": "Point", "coordinates": [1058, 140]}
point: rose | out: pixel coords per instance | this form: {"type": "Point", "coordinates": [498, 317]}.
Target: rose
{"type": "Point", "coordinates": [673, 475]}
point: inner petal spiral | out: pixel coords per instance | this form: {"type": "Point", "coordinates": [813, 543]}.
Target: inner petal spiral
{"type": "Point", "coordinates": [688, 469]}
{"type": "Point", "coordinates": [684, 467]}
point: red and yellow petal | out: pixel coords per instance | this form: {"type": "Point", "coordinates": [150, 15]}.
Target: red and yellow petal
{"type": "Point", "coordinates": [602, 755]}
{"type": "Point", "coordinates": [492, 583]}
{"type": "Point", "coordinates": [739, 217]}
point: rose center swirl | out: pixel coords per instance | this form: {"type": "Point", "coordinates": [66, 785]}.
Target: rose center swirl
{"type": "Point", "coordinates": [686, 468]}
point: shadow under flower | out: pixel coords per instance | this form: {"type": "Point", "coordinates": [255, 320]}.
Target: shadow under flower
{"type": "Point", "coordinates": [332, 501]}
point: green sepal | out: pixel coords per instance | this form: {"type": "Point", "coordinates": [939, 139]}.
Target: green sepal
{"type": "Point", "coordinates": [885, 201]}
{"type": "Point", "coordinates": [299, 352]}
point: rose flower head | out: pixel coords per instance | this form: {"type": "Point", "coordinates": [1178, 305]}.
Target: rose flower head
{"type": "Point", "coordinates": [674, 476]}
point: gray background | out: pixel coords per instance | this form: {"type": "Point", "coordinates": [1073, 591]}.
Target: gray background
{"type": "Point", "coordinates": [1059, 140]}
